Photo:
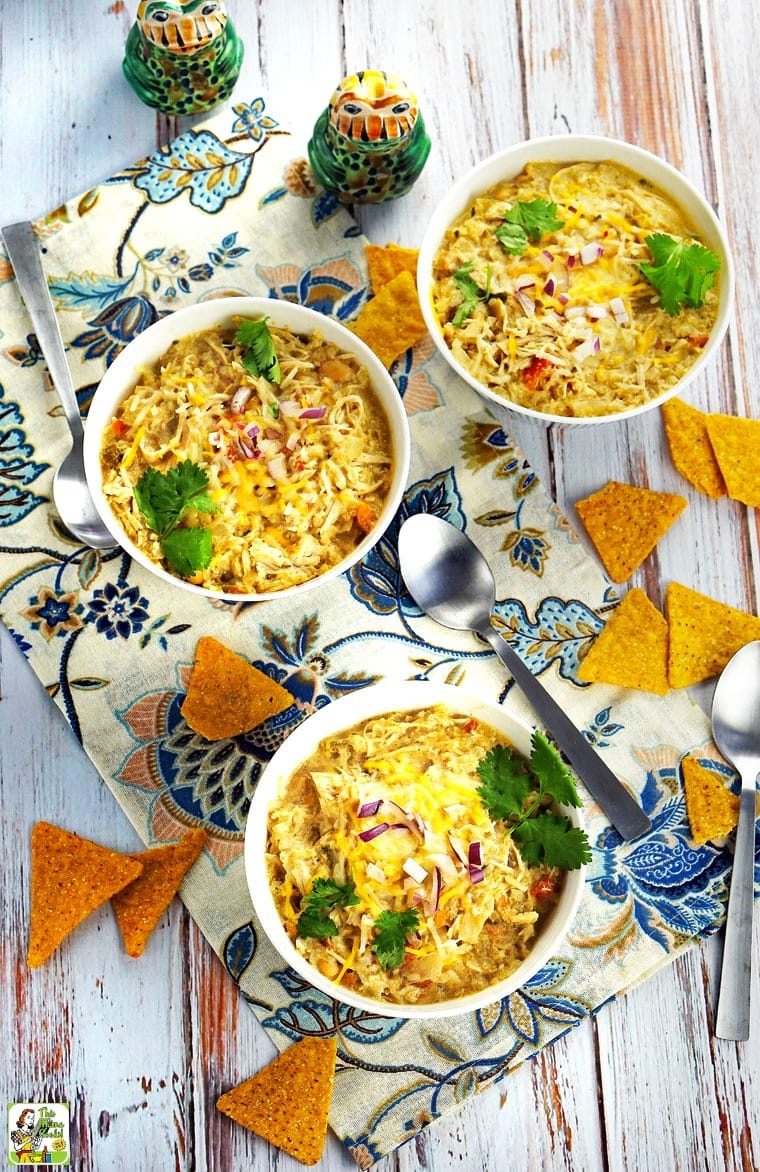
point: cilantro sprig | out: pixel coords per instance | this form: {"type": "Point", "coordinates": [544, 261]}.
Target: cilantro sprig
{"type": "Point", "coordinates": [259, 355]}
{"type": "Point", "coordinates": [470, 290]}
{"type": "Point", "coordinates": [164, 498]}
{"type": "Point", "coordinates": [527, 221]}
{"type": "Point", "coordinates": [325, 896]}
{"type": "Point", "coordinates": [513, 794]}
{"type": "Point", "coordinates": [682, 272]}
{"type": "Point", "coordinates": [392, 931]}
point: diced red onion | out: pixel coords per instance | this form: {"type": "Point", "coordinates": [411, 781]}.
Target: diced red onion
{"type": "Point", "coordinates": [214, 439]}
{"type": "Point", "coordinates": [277, 468]}
{"type": "Point", "coordinates": [526, 303]}
{"type": "Point", "coordinates": [597, 344]}
{"type": "Point", "coordinates": [526, 281]}
{"type": "Point", "coordinates": [435, 891]}
{"type": "Point", "coordinates": [586, 348]}
{"type": "Point", "coordinates": [245, 448]}
{"type": "Point", "coordinates": [272, 433]}
{"type": "Point", "coordinates": [252, 431]}
{"type": "Point", "coordinates": [376, 873]}
{"type": "Point", "coordinates": [373, 832]}
{"type": "Point", "coordinates": [313, 413]}
{"type": "Point", "coordinates": [617, 305]}
{"type": "Point", "coordinates": [549, 287]}
{"type": "Point", "coordinates": [477, 875]}
{"type": "Point", "coordinates": [563, 298]}
{"type": "Point", "coordinates": [289, 408]}
{"type": "Point", "coordinates": [474, 857]}
{"type": "Point", "coordinates": [547, 255]}
{"type": "Point", "coordinates": [570, 262]}
{"type": "Point", "coordinates": [596, 312]}
{"type": "Point", "coordinates": [293, 441]}
{"type": "Point", "coordinates": [458, 848]}
{"type": "Point", "coordinates": [239, 399]}
{"type": "Point", "coordinates": [590, 252]}
{"type": "Point", "coordinates": [414, 870]}
{"type": "Point", "coordinates": [369, 808]}
{"type": "Point", "coordinates": [575, 311]}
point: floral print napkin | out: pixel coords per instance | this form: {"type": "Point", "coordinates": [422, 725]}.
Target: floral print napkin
{"type": "Point", "coordinates": [231, 208]}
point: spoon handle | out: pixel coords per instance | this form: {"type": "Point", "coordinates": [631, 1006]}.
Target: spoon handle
{"type": "Point", "coordinates": [732, 1019]}
{"type": "Point", "coordinates": [623, 811]}
{"type": "Point", "coordinates": [24, 254]}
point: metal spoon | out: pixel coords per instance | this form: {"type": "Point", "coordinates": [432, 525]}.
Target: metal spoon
{"type": "Point", "coordinates": [736, 730]}
{"type": "Point", "coordinates": [449, 578]}
{"type": "Point", "coordinates": [73, 501]}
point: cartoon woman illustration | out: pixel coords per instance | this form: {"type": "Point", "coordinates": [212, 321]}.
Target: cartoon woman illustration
{"type": "Point", "coordinates": [25, 1138]}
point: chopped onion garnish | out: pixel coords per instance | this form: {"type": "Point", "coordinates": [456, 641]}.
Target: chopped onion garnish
{"type": "Point", "coordinates": [289, 407]}
{"type": "Point", "coordinates": [575, 311]}
{"type": "Point", "coordinates": [526, 303]}
{"type": "Point", "coordinates": [240, 398]}
{"type": "Point", "coordinates": [617, 305]}
{"type": "Point", "coordinates": [313, 413]}
{"type": "Point", "coordinates": [586, 348]}
{"type": "Point", "coordinates": [474, 857]}
{"type": "Point", "coordinates": [293, 441]}
{"type": "Point", "coordinates": [590, 252]}
{"type": "Point", "coordinates": [245, 448]}
{"type": "Point", "coordinates": [549, 287]}
{"type": "Point", "coordinates": [563, 298]}
{"type": "Point", "coordinates": [526, 281]}
{"type": "Point", "coordinates": [376, 873]}
{"type": "Point", "coordinates": [596, 311]}
{"type": "Point", "coordinates": [253, 430]}
{"type": "Point", "coordinates": [477, 875]}
{"type": "Point", "coordinates": [277, 468]}
{"type": "Point", "coordinates": [373, 832]}
{"type": "Point", "coordinates": [369, 808]}
{"type": "Point", "coordinates": [597, 344]}
{"type": "Point", "coordinates": [214, 438]}
{"type": "Point", "coordinates": [459, 849]}
{"type": "Point", "coordinates": [272, 433]}
{"type": "Point", "coordinates": [570, 262]}
{"type": "Point", "coordinates": [435, 891]}
{"type": "Point", "coordinates": [547, 255]}
{"type": "Point", "coordinates": [414, 870]}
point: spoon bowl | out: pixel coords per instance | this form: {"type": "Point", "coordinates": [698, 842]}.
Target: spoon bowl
{"type": "Point", "coordinates": [736, 731]}
{"type": "Point", "coordinates": [448, 577]}
{"type": "Point", "coordinates": [71, 494]}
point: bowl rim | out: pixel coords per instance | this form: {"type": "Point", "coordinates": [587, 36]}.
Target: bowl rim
{"type": "Point", "coordinates": [390, 696]}
{"type": "Point", "coordinates": [566, 148]}
{"type": "Point", "coordinates": [148, 346]}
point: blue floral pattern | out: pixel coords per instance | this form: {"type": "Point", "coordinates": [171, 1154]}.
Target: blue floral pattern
{"type": "Point", "coordinates": [114, 646]}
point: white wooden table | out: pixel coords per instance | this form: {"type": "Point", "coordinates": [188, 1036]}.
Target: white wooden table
{"type": "Point", "coordinates": [143, 1049]}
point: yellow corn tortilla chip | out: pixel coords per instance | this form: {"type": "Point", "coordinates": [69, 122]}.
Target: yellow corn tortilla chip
{"type": "Point", "coordinates": [227, 695]}
{"type": "Point", "coordinates": [736, 443]}
{"type": "Point", "coordinates": [139, 907]}
{"type": "Point", "coordinates": [386, 263]}
{"type": "Point", "coordinates": [288, 1101]}
{"type": "Point", "coordinates": [391, 321]}
{"type": "Point", "coordinates": [631, 650]}
{"type": "Point", "coordinates": [625, 523]}
{"type": "Point", "coordinates": [712, 809]}
{"type": "Point", "coordinates": [690, 447]}
{"type": "Point", "coordinates": [71, 877]}
{"type": "Point", "coordinates": [704, 634]}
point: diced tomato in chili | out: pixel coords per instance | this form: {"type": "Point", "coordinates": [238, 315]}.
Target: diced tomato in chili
{"type": "Point", "coordinates": [364, 516]}
{"type": "Point", "coordinates": [543, 888]}
{"type": "Point", "coordinates": [698, 341]}
{"type": "Point", "coordinates": [471, 724]}
{"type": "Point", "coordinates": [535, 372]}
{"type": "Point", "coordinates": [119, 428]}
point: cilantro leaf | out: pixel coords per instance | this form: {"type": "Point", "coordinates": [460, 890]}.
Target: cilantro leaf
{"type": "Point", "coordinates": [527, 220]}
{"type": "Point", "coordinates": [315, 924]}
{"type": "Point", "coordinates": [188, 550]}
{"type": "Point", "coordinates": [392, 930]}
{"type": "Point", "coordinates": [513, 794]}
{"type": "Point", "coordinates": [470, 290]}
{"type": "Point", "coordinates": [556, 779]}
{"type": "Point", "coordinates": [325, 895]}
{"type": "Point", "coordinates": [506, 783]}
{"type": "Point", "coordinates": [682, 272]}
{"type": "Point", "coordinates": [259, 355]}
{"type": "Point", "coordinates": [163, 498]}
{"type": "Point", "coordinates": [552, 839]}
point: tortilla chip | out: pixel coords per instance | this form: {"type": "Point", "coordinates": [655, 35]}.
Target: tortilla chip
{"type": "Point", "coordinates": [712, 809]}
{"type": "Point", "coordinates": [391, 321]}
{"type": "Point", "coordinates": [690, 447]}
{"type": "Point", "coordinates": [631, 651]}
{"type": "Point", "coordinates": [288, 1101]}
{"type": "Point", "coordinates": [139, 907]}
{"type": "Point", "coordinates": [71, 877]}
{"type": "Point", "coordinates": [736, 443]}
{"type": "Point", "coordinates": [625, 523]}
{"type": "Point", "coordinates": [704, 634]}
{"type": "Point", "coordinates": [386, 263]}
{"type": "Point", "coordinates": [227, 696]}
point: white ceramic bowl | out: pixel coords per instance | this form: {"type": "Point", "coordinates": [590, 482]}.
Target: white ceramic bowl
{"type": "Point", "coordinates": [149, 346]}
{"type": "Point", "coordinates": [343, 714]}
{"type": "Point", "coordinates": [572, 148]}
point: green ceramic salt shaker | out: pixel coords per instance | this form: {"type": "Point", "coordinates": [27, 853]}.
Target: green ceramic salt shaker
{"type": "Point", "coordinates": [182, 56]}
{"type": "Point", "coordinates": [369, 145]}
